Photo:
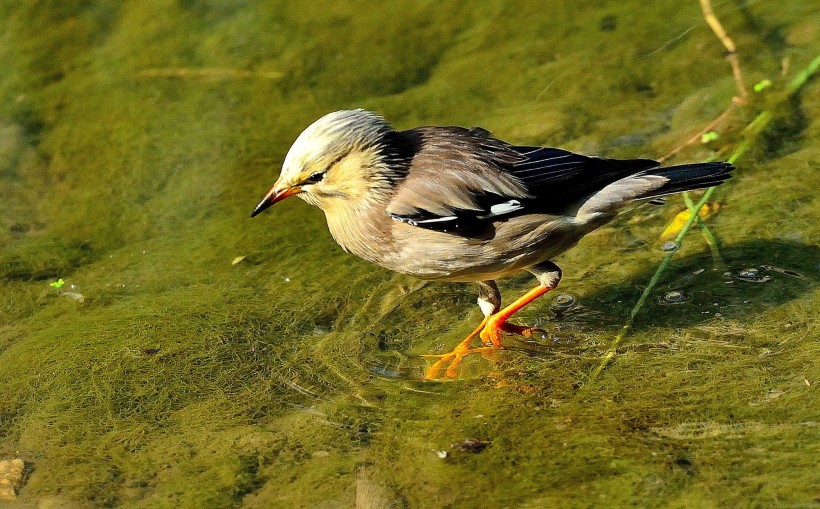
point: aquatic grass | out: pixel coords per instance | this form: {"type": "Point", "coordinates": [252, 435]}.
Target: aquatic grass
{"type": "Point", "coordinates": [750, 133]}
{"type": "Point", "coordinates": [183, 380]}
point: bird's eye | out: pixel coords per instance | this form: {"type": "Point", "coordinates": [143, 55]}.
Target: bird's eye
{"type": "Point", "coordinates": [316, 177]}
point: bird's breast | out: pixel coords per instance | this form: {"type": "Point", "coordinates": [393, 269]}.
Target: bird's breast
{"type": "Point", "coordinates": [360, 231]}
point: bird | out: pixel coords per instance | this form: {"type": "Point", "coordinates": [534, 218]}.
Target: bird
{"type": "Point", "coordinates": [456, 204]}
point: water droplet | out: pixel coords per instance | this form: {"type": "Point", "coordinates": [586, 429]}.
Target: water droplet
{"type": "Point", "coordinates": [748, 274]}
{"type": "Point", "coordinates": [670, 247]}
{"type": "Point", "coordinates": [673, 297]}
{"type": "Point", "coordinates": [752, 275]}
{"type": "Point", "coordinates": [563, 302]}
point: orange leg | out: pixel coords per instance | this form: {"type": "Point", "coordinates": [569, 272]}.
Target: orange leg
{"type": "Point", "coordinates": [490, 332]}
{"type": "Point", "coordinates": [497, 322]}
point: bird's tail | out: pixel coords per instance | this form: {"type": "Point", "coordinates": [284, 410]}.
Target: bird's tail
{"type": "Point", "coordinates": [686, 177]}
{"type": "Point", "coordinates": [653, 183]}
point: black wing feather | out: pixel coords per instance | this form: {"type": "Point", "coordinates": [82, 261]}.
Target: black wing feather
{"type": "Point", "coordinates": [559, 174]}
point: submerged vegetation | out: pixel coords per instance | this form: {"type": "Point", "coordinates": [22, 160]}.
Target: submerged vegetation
{"type": "Point", "coordinates": [215, 361]}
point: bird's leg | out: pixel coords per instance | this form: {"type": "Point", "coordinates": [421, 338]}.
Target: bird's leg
{"type": "Point", "coordinates": [489, 300]}
{"type": "Point", "coordinates": [548, 275]}
{"type": "Point", "coordinates": [495, 321]}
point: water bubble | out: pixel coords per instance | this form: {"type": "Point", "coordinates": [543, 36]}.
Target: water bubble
{"type": "Point", "coordinates": [670, 247]}
{"type": "Point", "coordinates": [673, 297]}
{"type": "Point", "coordinates": [752, 275]}
{"type": "Point", "coordinates": [749, 273]}
{"type": "Point", "coordinates": [563, 302]}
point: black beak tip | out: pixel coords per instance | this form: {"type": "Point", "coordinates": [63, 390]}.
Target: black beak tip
{"type": "Point", "coordinates": [264, 204]}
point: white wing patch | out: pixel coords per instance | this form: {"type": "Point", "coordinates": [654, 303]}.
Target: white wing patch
{"type": "Point", "coordinates": [446, 223]}
{"type": "Point", "coordinates": [499, 209]}
{"type": "Point", "coordinates": [436, 220]}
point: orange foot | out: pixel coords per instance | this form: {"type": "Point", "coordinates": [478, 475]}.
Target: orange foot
{"type": "Point", "coordinates": [454, 357]}
{"type": "Point", "coordinates": [490, 332]}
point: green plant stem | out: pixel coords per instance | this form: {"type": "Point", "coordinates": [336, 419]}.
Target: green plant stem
{"type": "Point", "coordinates": [804, 75]}
{"type": "Point", "coordinates": [750, 133]}
{"type": "Point", "coordinates": [708, 236]}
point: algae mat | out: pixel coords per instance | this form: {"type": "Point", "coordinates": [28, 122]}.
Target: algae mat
{"type": "Point", "coordinates": [135, 138]}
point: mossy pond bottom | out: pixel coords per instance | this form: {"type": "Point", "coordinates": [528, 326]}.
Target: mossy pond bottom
{"type": "Point", "coordinates": [160, 349]}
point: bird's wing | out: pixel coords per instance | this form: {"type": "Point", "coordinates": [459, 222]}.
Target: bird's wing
{"type": "Point", "coordinates": [457, 180]}
{"type": "Point", "coordinates": [460, 178]}
{"type": "Point", "coordinates": [555, 174]}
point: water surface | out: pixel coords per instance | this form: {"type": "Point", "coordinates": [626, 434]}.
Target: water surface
{"type": "Point", "coordinates": [135, 138]}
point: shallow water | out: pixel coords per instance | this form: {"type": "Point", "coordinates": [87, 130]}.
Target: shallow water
{"type": "Point", "coordinates": [162, 374]}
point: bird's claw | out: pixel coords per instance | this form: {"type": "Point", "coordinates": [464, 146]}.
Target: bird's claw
{"type": "Point", "coordinates": [490, 333]}
{"type": "Point", "coordinates": [454, 357]}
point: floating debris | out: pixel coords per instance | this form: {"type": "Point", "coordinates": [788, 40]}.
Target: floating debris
{"type": "Point", "coordinates": [237, 260]}
{"type": "Point", "coordinates": [11, 478]}
{"type": "Point", "coordinates": [472, 445]}
{"type": "Point", "coordinates": [707, 137]}
{"type": "Point", "coordinates": [752, 275]}
{"type": "Point", "coordinates": [682, 218]}
{"type": "Point", "coordinates": [762, 85]}
{"type": "Point", "coordinates": [57, 284]}
{"type": "Point", "coordinates": [441, 454]}
{"type": "Point", "coordinates": [563, 302]}
{"type": "Point", "coordinates": [673, 297]}
{"type": "Point", "coordinates": [670, 247]}
{"type": "Point", "coordinates": [781, 270]}
{"type": "Point", "coordinates": [76, 297]}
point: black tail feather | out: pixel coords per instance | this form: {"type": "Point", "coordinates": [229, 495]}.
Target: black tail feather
{"type": "Point", "coordinates": [687, 177]}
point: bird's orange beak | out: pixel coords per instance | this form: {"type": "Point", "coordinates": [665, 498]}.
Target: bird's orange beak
{"type": "Point", "coordinates": [274, 195]}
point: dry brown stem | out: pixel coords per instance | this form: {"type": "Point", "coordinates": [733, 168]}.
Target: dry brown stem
{"type": "Point", "coordinates": [734, 62]}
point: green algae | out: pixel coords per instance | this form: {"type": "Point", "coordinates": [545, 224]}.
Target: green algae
{"type": "Point", "coordinates": [291, 379]}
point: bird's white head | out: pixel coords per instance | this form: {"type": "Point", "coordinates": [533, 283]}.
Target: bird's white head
{"type": "Point", "coordinates": [337, 158]}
